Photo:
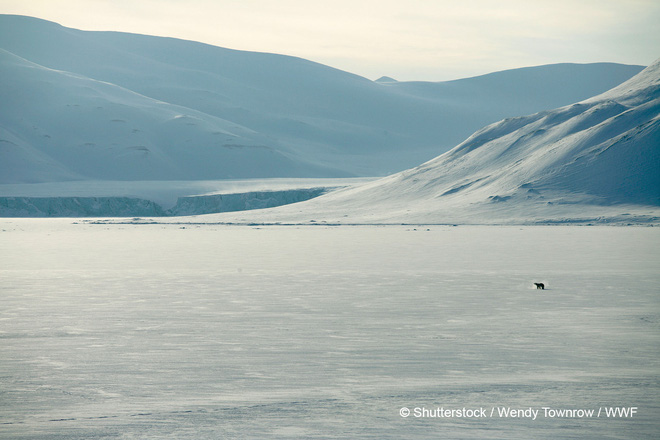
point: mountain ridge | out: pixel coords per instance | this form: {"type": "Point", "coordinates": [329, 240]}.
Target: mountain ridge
{"type": "Point", "coordinates": [319, 121]}
{"type": "Point", "coordinates": [595, 161]}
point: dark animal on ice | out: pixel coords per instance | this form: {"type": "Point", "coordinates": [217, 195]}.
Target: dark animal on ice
{"type": "Point", "coordinates": [540, 286]}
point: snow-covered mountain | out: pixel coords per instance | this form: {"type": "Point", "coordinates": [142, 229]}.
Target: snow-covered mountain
{"type": "Point", "coordinates": [58, 125]}
{"type": "Point", "coordinates": [108, 105]}
{"type": "Point", "coordinates": [594, 161]}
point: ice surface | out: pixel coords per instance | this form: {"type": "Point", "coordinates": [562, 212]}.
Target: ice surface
{"type": "Point", "coordinates": [170, 331]}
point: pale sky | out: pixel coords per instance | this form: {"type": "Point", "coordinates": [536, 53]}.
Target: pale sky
{"type": "Point", "coordinates": [431, 40]}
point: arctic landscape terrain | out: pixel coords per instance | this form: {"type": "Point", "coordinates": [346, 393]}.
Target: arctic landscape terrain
{"type": "Point", "coordinates": [202, 243]}
{"type": "Point", "coordinates": [107, 106]}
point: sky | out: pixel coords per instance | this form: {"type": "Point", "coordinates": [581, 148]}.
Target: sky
{"type": "Point", "coordinates": [429, 40]}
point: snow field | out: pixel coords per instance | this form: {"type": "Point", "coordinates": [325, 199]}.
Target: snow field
{"type": "Point", "coordinates": [170, 331]}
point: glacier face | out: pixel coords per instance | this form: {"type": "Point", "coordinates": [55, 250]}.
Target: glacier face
{"type": "Point", "coordinates": [209, 204]}
{"type": "Point", "coordinates": [77, 207]}
{"type": "Point", "coordinates": [131, 206]}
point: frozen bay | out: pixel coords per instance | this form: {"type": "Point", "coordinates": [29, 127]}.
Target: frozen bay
{"type": "Point", "coordinates": [210, 331]}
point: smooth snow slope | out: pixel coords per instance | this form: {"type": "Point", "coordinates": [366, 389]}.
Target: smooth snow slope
{"type": "Point", "coordinates": [108, 105]}
{"type": "Point", "coordinates": [58, 125]}
{"type": "Point", "coordinates": [597, 160]}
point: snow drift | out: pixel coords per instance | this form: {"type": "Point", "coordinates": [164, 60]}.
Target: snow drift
{"type": "Point", "coordinates": [594, 161]}
{"type": "Point", "coordinates": [108, 105]}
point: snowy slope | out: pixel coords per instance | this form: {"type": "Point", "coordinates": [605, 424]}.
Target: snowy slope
{"type": "Point", "coordinates": [194, 111]}
{"type": "Point", "coordinates": [597, 160]}
{"type": "Point", "coordinates": [55, 125]}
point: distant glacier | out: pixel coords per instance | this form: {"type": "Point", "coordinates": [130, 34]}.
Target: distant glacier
{"type": "Point", "coordinates": [130, 206]}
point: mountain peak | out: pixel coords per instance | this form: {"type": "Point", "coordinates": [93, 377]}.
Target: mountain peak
{"type": "Point", "coordinates": [385, 80]}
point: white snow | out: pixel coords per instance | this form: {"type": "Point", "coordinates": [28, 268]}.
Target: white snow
{"type": "Point", "coordinates": [156, 331]}
{"type": "Point", "coordinates": [594, 161]}
{"type": "Point", "coordinates": [72, 127]}
{"type": "Point", "coordinates": [115, 106]}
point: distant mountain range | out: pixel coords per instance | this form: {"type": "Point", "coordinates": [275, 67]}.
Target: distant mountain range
{"type": "Point", "coordinates": [596, 161]}
{"type": "Point", "coordinates": [117, 106]}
